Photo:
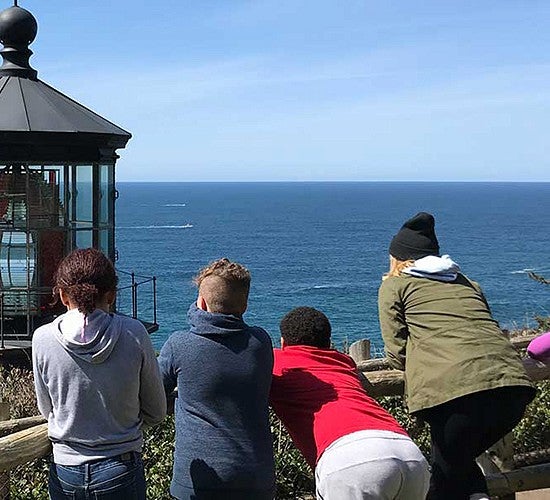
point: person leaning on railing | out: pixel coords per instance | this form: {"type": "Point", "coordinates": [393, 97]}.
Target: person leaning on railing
{"type": "Point", "coordinates": [97, 383]}
{"type": "Point", "coordinates": [356, 448]}
{"type": "Point", "coordinates": [463, 377]}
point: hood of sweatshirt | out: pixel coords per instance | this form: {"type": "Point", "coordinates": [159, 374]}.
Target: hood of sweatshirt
{"type": "Point", "coordinates": [207, 323]}
{"type": "Point", "coordinates": [91, 338]}
{"type": "Point", "coordinates": [436, 268]}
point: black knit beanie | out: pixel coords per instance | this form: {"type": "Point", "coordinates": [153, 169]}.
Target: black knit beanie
{"type": "Point", "coordinates": [416, 238]}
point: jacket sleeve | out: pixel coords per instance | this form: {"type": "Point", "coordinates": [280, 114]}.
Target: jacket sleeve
{"type": "Point", "coordinates": [43, 399]}
{"type": "Point", "coordinates": [394, 328]}
{"type": "Point", "coordinates": [167, 369]}
{"type": "Point", "coordinates": [151, 392]}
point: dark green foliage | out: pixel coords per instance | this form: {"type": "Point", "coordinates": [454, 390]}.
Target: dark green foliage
{"type": "Point", "coordinates": [158, 453]}
{"type": "Point", "coordinates": [17, 388]}
{"type": "Point", "coordinates": [533, 432]}
{"type": "Point", "coordinates": [30, 481]}
{"type": "Point", "coordinates": [419, 432]}
{"type": "Point", "coordinates": [543, 323]}
{"type": "Point", "coordinates": [293, 475]}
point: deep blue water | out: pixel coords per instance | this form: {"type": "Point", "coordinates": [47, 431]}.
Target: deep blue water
{"type": "Point", "coordinates": [325, 244]}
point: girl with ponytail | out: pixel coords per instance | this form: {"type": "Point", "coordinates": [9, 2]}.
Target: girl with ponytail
{"type": "Point", "coordinates": [97, 383]}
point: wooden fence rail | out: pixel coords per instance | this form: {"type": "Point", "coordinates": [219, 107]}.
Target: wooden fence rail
{"type": "Point", "coordinates": [391, 382]}
{"type": "Point", "coordinates": [534, 477]}
{"type": "Point", "coordinates": [11, 426]}
{"type": "Point", "coordinates": [24, 446]}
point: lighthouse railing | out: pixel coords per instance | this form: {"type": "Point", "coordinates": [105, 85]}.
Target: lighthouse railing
{"type": "Point", "coordinates": [137, 297]}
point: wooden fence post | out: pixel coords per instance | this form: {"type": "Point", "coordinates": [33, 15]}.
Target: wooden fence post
{"type": "Point", "coordinates": [360, 350]}
{"type": "Point", "coordinates": [502, 455]}
{"type": "Point", "coordinates": [4, 476]}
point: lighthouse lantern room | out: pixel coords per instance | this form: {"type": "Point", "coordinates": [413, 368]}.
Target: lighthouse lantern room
{"type": "Point", "coordinates": [57, 182]}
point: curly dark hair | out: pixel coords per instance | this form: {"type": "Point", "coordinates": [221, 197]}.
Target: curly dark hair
{"type": "Point", "coordinates": [306, 326]}
{"type": "Point", "coordinates": [85, 275]}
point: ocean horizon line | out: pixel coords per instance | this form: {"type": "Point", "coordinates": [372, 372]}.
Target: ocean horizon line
{"type": "Point", "coordinates": [333, 182]}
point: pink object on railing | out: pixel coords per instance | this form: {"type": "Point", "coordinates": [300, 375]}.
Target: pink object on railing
{"type": "Point", "coordinates": [539, 348]}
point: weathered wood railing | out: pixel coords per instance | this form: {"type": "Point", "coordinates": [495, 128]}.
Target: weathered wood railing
{"type": "Point", "coordinates": [26, 439]}
{"type": "Point", "coordinates": [380, 380]}
{"type": "Point", "coordinates": [503, 481]}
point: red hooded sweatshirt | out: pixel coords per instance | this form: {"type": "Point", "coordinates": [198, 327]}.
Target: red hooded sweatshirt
{"type": "Point", "coordinates": [319, 398]}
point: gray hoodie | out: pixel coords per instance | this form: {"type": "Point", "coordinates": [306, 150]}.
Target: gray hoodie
{"type": "Point", "coordinates": [97, 382]}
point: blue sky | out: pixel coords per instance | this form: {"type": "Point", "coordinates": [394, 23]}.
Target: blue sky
{"type": "Point", "coordinates": [309, 90]}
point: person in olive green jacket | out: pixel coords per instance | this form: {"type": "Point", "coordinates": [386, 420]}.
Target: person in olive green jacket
{"type": "Point", "coordinates": [462, 374]}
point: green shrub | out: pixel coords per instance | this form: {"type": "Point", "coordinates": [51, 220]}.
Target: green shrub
{"type": "Point", "coordinates": [158, 451]}
{"type": "Point", "coordinates": [533, 432]}
{"type": "Point", "coordinates": [418, 431]}
{"type": "Point", "coordinates": [293, 476]}
{"type": "Point", "coordinates": [30, 481]}
{"type": "Point", "coordinates": [543, 323]}
{"type": "Point", "coordinates": [17, 388]}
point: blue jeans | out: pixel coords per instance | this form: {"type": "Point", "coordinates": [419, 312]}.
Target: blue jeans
{"type": "Point", "coordinates": [116, 478]}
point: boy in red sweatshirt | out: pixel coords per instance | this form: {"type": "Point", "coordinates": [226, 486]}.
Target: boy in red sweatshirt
{"type": "Point", "coordinates": [357, 449]}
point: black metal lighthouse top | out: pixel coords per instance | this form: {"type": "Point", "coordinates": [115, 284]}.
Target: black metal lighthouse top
{"type": "Point", "coordinates": [37, 122]}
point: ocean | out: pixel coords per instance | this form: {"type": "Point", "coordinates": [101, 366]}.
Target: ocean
{"type": "Point", "coordinates": [325, 245]}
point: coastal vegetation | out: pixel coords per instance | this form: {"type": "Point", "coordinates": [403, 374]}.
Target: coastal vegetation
{"type": "Point", "coordinates": [294, 477]}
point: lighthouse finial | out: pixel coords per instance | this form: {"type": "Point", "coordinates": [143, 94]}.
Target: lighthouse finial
{"type": "Point", "coordinates": [18, 29]}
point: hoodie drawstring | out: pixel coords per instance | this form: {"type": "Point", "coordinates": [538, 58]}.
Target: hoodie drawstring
{"type": "Point", "coordinates": [84, 325]}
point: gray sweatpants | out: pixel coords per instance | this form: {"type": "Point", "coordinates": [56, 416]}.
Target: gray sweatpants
{"type": "Point", "coordinates": [379, 465]}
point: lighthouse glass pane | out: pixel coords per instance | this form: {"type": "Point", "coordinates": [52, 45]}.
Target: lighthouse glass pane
{"type": "Point", "coordinates": [106, 193]}
{"type": "Point", "coordinates": [17, 269]}
{"type": "Point", "coordinates": [55, 194]}
{"type": "Point", "coordinates": [84, 239]}
{"type": "Point", "coordinates": [13, 259]}
{"type": "Point", "coordinates": [52, 244]}
{"type": "Point", "coordinates": [105, 238]}
{"type": "Point", "coordinates": [70, 196]}
{"type": "Point", "coordinates": [46, 201]}
{"type": "Point", "coordinates": [84, 192]}
{"type": "Point", "coordinates": [47, 196]}
{"type": "Point", "coordinates": [61, 190]}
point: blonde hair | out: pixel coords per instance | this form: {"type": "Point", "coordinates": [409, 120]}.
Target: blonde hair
{"type": "Point", "coordinates": [224, 286]}
{"type": "Point", "coordinates": [397, 267]}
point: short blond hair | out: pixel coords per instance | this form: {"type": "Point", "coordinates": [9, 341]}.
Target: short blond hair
{"type": "Point", "coordinates": [224, 285]}
{"type": "Point", "coordinates": [397, 267]}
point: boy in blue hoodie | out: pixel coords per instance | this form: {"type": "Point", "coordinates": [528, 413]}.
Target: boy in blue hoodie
{"type": "Point", "coordinates": [222, 369]}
